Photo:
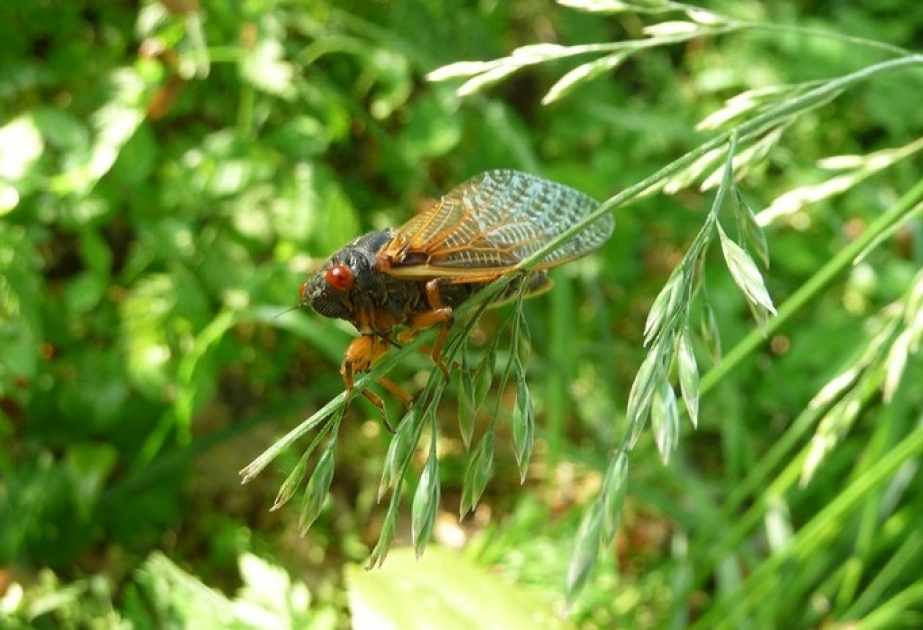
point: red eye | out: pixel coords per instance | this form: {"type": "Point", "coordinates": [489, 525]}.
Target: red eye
{"type": "Point", "coordinates": [340, 277]}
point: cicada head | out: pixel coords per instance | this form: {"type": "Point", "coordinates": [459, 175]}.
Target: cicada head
{"type": "Point", "coordinates": [347, 283]}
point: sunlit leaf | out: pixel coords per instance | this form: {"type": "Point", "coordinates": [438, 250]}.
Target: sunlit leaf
{"type": "Point", "coordinates": [619, 6]}
{"type": "Point", "coordinates": [584, 73]}
{"type": "Point", "coordinates": [706, 18]}
{"type": "Point", "coordinates": [462, 69]}
{"type": "Point", "coordinates": [265, 68]}
{"type": "Point", "coordinates": [745, 273]}
{"type": "Point", "coordinates": [491, 77]}
{"type": "Point", "coordinates": [23, 134]}
{"type": "Point", "coordinates": [671, 28]}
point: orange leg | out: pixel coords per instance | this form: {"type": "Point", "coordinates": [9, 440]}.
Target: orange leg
{"type": "Point", "coordinates": [360, 355]}
{"type": "Point", "coordinates": [396, 389]}
{"type": "Point", "coordinates": [442, 315]}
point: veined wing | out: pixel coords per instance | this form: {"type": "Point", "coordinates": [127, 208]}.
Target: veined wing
{"type": "Point", "coordinates": [489, 224]}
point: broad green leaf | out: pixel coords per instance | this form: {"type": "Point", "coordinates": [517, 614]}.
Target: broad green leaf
{"type": "Point", "coordinates": [413, 593]}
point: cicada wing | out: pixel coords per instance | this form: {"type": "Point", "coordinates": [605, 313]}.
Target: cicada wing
{"type": "Point", "coordinates": [492, 222]}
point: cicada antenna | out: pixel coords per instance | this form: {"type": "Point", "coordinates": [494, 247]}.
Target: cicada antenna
{"type": "Point", "coordinates": [288, 310]}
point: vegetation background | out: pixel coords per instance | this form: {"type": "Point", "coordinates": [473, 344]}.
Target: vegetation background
{"type": "Point", "coordinates": [170, 172]}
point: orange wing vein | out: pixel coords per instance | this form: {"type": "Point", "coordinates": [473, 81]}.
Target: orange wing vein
{"type": "Point", "coordinates": [490, 223]}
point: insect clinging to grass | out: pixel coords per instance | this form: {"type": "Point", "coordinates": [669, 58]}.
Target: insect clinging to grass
{"type": "Point", "coordinates": [392, 284]}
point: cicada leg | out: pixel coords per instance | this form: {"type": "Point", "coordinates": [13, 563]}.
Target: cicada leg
{"type": "Point", "coordinates": [439, 315]}
{"type": "Point", "coordinates": [359, 357]}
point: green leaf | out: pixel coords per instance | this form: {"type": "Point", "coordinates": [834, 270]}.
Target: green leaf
{"type": "Point", "coordinates": [642, 390]}
{"type": "Point", "coordinates": [753, 232]}
{"type": "Point", "coordinates": [586, 551]}
{"type": "Point", "coordinates": [21, 146]}
{"type": "Point", "coordinates": [425, 502]}
{"type": "Point", "coordinates": [89, 466]}
{"type": "Point", "coordinates": [114, 123]}
{"type": "Point", "coordinates": [688, 375]}
{"type": "Point", "coordinates": [318, 487]}
{"type": "Point", "coordinates": [664, 309]}
{"type": "Point", "coordinates": [473, 391]}
{"type": "Point", "coordinates": [583, 73]}
{"type": "Point", "coordinates": [292, 482]}
{"type": "Point", "coordinates": [896, 362]}
{"type": "Point", "coordinates": [388, 529]}
{"type": "Point", "coordinates": [480, 468]}
{"type": "Point", "coordinates": [145, 312]}
{"type": "Point", "coordinates": [614, 490]}
{"type": "Point", "coordinates": [467, 408]}
{"type": "Point", "coordinates": [400, 450]}
{"type": "Point", "coordinates": [711, 333]}
{"type": "Point", "coordinates": [745, 273]}
{"type": "Point", "coordinates": [265, 68]}
{"type": "Point", "coordinates": [415, 594]}
{"type": "Point", "coordinates": [523, 425]}
{"type": "Point", "coordinates": [665, 417]}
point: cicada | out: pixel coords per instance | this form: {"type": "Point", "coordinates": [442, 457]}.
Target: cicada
{"type": "Point", "coordinates": [393, 283]}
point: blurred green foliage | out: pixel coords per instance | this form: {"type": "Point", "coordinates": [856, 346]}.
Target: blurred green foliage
{"type": "Point", "coordinates": [169, 174]}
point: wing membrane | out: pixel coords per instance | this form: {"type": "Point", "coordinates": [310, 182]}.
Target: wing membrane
{"type": "Point", "coordinates": [490, 223]}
